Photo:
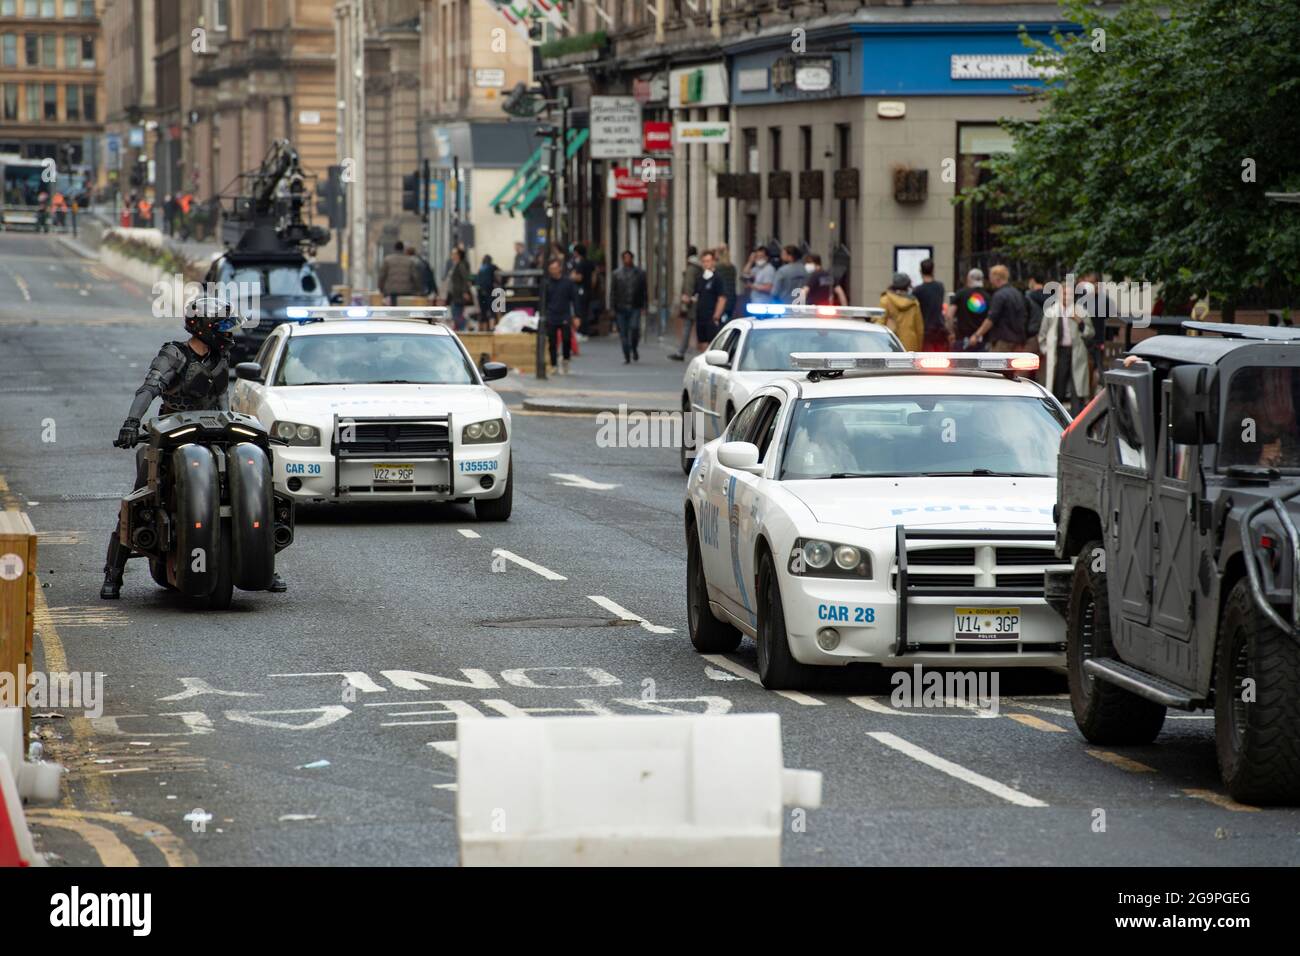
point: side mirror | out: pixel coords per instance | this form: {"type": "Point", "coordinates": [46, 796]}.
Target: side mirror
{"type": "Point", "coordinates": [740, 456]}
{"type": "Point", "coordinates": [718, 357]}
{"type": "Point", "coordinates": [1194, 404]}
{"type": "Point", "coordinates": [250, 371]}
{"type": "Point", "coordinates": [336, 298]}
{"type": "Point", "coordinates": [494, 370]}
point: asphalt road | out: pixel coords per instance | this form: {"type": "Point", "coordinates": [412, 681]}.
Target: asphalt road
{"type": "Point", "coordinates": [225, 714]}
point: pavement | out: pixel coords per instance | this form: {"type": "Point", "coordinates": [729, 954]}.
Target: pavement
{"type": "Point", "coordinates": [314, 727]}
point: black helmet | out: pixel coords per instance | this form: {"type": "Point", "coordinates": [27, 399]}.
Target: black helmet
{"type": "Point", "coordinates": [211, 320]}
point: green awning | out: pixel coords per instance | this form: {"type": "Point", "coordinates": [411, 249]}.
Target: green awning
{"type": "Point", "coordinates": [529, 182]}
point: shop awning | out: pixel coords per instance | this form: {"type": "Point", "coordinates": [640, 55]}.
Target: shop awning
{"type": "Point", "coordinates": [528, 182]}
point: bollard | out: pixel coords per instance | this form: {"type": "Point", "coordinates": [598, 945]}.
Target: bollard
{"type": "Point", "coordinates": [625, 791]}
{"type": "Point", "coordinates": [17, 599]}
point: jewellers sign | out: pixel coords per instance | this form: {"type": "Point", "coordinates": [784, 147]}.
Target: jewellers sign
{"type": "Point", "coordinates": [997, 66]}
{"type": "Point", "coordinates": [615, 127]}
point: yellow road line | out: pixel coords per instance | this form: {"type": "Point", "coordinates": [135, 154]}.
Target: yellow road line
{"type": "Point", "coordinates": [172, 850]}
{"type": "Point", "coordinates": [1029, 720]}
{"type": "Point", "coordinates": [1220, 800]}
{"type": "Point", "coordinates": [1116, 760]}
{"type": "Point", "coordinates": [111, 850]}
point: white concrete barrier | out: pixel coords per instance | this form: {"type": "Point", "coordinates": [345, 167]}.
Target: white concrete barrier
{"type": "Point", "coordinates": [635, 791]}
{"type": "Point", "coordinates": [20, 780]}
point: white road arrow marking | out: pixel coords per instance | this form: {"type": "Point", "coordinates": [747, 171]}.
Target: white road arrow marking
{"type": "Point", "coordinates": [921, 755]}
{"type": "Point", "coordinates": [467, 533]}
{"type": "Point", "coordinates": [577, 481]}
{"type": "Point", "coordinates": [799, 697]}
{"type": "Point", "coordinates": [525, 563]}
{"type": "Point", "coordinates": [626, 615]}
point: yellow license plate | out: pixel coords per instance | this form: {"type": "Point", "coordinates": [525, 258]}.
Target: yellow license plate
{"type": "Point", "coordinates": [986, 623]}
{"type": "Point", "coordinates": [390, 474]}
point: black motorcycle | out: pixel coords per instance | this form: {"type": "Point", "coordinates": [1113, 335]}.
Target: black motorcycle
{"type": "Point", "coordinates": [208, 518]}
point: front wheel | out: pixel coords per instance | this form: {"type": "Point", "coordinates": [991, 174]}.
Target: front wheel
{"type": "Point", "coordinates": [498, 509]}
{"type": "Point", "coordinates": [777, 668]}
{"type": "Point", "coordinates": [1104, 713]}
{"type": "Point", "coordinates": [1257, 705]}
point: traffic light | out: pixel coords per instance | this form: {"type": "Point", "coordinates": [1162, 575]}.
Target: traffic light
{"type": "Point", "coordinates": [138, 172]}
{"type": "Point", "coordinates": [332, 198]}
{"type": "Point", "coordinates": [411, 192]}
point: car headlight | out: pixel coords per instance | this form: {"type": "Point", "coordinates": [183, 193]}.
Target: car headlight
{"type": "Point", "coordinates": [814, 557]}
{"type": "Point", "coordinates": [293, 433]}
{"type": "Point", "coordinates": [483, 433]}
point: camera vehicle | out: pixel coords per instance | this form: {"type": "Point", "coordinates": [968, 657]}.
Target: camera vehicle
{"type": "Point", "coordinates": [1177, 503]}
{"type": "Point", "coordinates": [208, 519]}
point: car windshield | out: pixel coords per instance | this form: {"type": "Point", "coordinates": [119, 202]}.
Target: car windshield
{"type": "Point", "coordinates": [276, 280]}
{"type": "Point", "coordinates": [1259, 420]}
{"type": "Point", "coordinates": [769, 349]}
{"type": "Point", "coordinates": [915, 435]}
{"type": "Point", "coordinates": [378, 358]}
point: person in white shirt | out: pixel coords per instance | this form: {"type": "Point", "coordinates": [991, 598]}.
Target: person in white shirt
{"type": "Point", "coordinates": [1064, 338]}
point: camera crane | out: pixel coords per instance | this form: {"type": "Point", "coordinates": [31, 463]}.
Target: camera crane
{"type": "Point", "coordinates": [270, 207]}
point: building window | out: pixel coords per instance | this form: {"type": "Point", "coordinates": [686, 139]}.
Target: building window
{"type": "Point", "coordinates": [88, 9]}
{"type": "Point", "coordinates": [10, 46]}
{"type": "Point", "coordinates": [976, 224]}
{"type": "Point", "coordinates": [72, 52]}
{"type": "Point", "coordinates": [32, 49]}
{"type": "Point", "coordinates": [30, 8]}
{"type": "Point", "coordinates": [806, 156]}
{"type": "Point", "coordinates": [88, 52]}
{"type": "Point", "coordinates": [11, 101]}
{"type": "Point", "coordinates": [51, 101]}
{"type": "Point", "coordinates": [843, 161]}
{"type": "Point", "coordinates": [88, 111]}
{"type": "Point", "coordinates": [47, 9]}
{"type": "Point", "coordinates": [69, 9]}
{"type": "Point", "coordinates": [220, 14]}
{"type": "Point", "coordinates": [8, 8]}
{"type": "Point", "coordinates": [33, 102]}
{"type": "Point", "coordinates": [49, 50]}
{"type": "Point", "coordinates": [72, 102]}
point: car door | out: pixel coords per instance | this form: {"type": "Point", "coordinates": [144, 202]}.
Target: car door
{"type": "Point", "coordinates": [249, 395]}
{"type": "Point", "coordinates": [740, 494]}
{"type": "Point", "coordinates": [1177, 549]}
{"type": "Point", "coordinates": [1129, 540]}
{"type": "Point", "coordinates": [714, 391]}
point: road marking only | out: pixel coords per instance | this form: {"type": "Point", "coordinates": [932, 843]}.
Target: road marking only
{"type": "Point", "coordinates": [467, 533]}
{"type": "Point", "coordinates": [797, 696]}
{"type": "Point", "coordinates": [525, 563]}
{"type": "Point", "coordinates": [577, 481]}
{"type": "Point", "coordinates": [987, 784]}
{"type": "Point", "coordinates": [1117, 760]}
{"type": "Point", "coordinates": [623, 613]}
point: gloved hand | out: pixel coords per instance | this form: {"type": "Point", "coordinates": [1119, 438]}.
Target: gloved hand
{"type": "Point", "coordinates": [129, 436]}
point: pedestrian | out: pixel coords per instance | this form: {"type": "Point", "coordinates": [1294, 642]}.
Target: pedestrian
{"type": "Point", "coordinates": [628, 293]}
{"type": "Point", "coordinates": [821, 287]}
{"type": "Point", "coordinates": [930, 297]}
{"type": "Point", "coordinates": [170, 210]}
{"type": "Point", "coordinates": [523, 260]}
{"type": "Point", "coordinates": [559, 313]}
{"type": "Point", "coordinates": [59, 206]}
{"type": "Point", "coordinates": [1091, 297]}
{"type": "Point", "coordinates": [727, 270]}
{"type": "Point", "coordinates": [1063, 338]}
{"type": "Point", "coordinates": [585, 268]}
{"type": "Point", "coordinates": [759, 276]}
{"type": "Point", "coordinates": [146, 213]}
{"type": "Point", "coordinates": [1004, 325]}
{"type": "Point", "coordinates": [459, 291]}
{"type": "Point", "coordinates": [183, 206]}
{"type": "Point", "coordinates": [486, 282]}
{"type": "Point", "coordinates": [903, 313]}
{"type": "Point", "coordinates": [966, 311]}
{"type": "Point", "coordinates": [42, 211]}
{"type": "Point", "coordinates": [428, 281]}
{"type": "Point", "coordinates": [710, 301]}
{"type": "Point", "coordinates": [690, 279]}
{"type": "Point", "coordinates": [398, 274]}
{"type": "Point", "coordinates": [790, 276]}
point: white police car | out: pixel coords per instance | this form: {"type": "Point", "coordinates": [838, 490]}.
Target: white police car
{"type": "Point", "coordinates": [379, 404]}
{"type": "Point", "coordinates": [754, 350]}
{"type": "Point", "coordinates": [886, 508]}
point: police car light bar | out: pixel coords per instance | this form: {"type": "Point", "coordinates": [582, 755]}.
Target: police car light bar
{"type": "Point", "coordinates": [836, 362]}
{"type": "Point", "coordinates": [777, 310]}
{"type": "Point", "coordinates": [327, 313]}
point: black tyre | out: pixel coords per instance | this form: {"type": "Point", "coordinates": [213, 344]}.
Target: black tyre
{"type": "Point", "coordinates": [198, 522]}
{"type": "Point", "coordinates": [690, 440]}
{"type": "Point", "coordinates": [777, 668]}
{"type": "Point", "coordinates": [708, 634]}
{"type": "Point", "coordinates": [1258, 742]}
{"type": "Point", "coordinates": [498, 509]}
{"type": "Point", "coordinates": [252, 517]}
{"type": "Point", "coordinates": [1105, 714]}
{"type": "Point", "coordinates": [158, 571]}
{"type": "Point", "coordinates": [223, 587]}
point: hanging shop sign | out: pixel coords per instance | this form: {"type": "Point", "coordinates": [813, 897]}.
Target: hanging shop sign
{"type": "Point", "coordinates": [625, 183]}
{"type": "Point", "coordinates": [657, 137]}
{"type": "Point", "coordinates": [703, 133]}
{"type": "Point", "coordinates": [704, 85]}
{"type": "Point", "coordinates": [615, 123]}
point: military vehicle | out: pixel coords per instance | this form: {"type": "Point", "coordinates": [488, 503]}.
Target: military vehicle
{"type": "Point", "coordinates": [1178, 497]}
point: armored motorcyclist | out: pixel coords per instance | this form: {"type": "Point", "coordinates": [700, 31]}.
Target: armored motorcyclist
{"type": "Point", "coordinates": [190, 376]}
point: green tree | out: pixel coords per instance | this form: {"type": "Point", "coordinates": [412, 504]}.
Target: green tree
{"type": "Point", "coordinates": [1158, 138]}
